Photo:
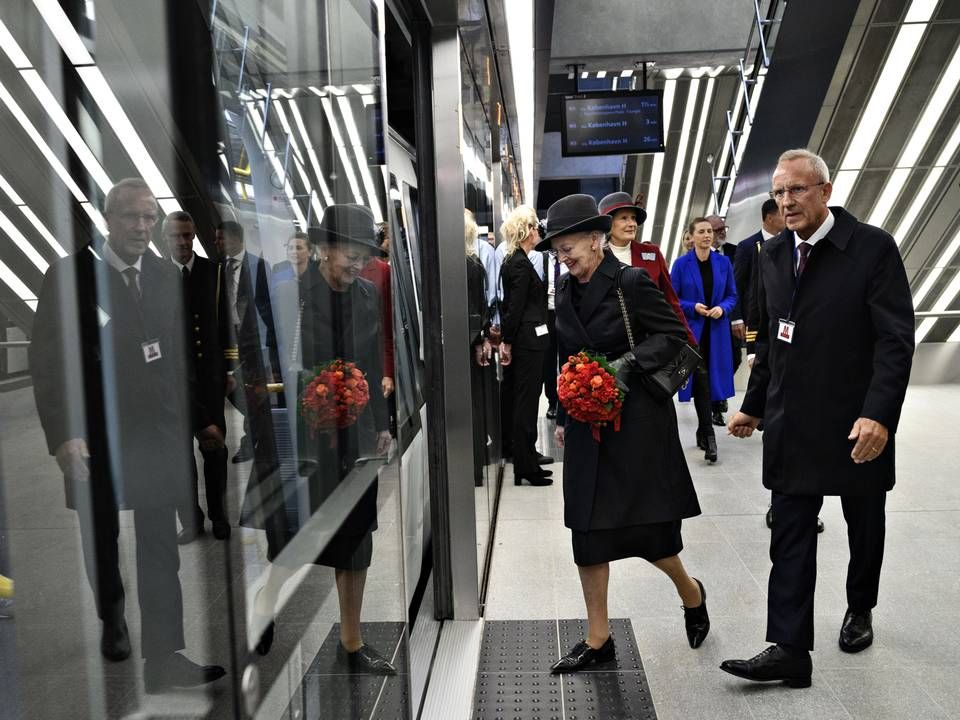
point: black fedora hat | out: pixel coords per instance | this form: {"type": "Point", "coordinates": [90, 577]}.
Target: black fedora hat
{"type": "Point", "coordinates": [347, 223]}
{"type": "Point", "coordinates": [572, 214]}
{"type": "Point", "coordinates": [622, 201]}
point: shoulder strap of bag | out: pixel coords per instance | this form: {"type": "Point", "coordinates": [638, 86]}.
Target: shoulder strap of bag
{"type": "Point", "coordinates": [623, 309]}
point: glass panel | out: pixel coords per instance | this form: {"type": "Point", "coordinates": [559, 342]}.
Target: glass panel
{"type": "Point", "coordinates": [193, 203]}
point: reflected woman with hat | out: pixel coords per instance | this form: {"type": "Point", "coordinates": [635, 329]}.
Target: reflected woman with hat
{"type": "Point", "coordinates": [626, 494]}
{"type": "Point", "coordinates": [338, 318]}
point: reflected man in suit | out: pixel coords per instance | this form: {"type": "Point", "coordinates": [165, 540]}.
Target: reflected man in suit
{"type": "Point", "coordinates": [835, 345]}
{"type": "Point", "coordinates": [207, 333]}
{"type": "Point", "coordinates": [111, 387]}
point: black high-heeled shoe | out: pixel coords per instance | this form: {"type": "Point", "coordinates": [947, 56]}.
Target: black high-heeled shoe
{"type": "Point", "coordinates": [710, 451]}
{"type": "Point", "coordinates": [697, 620]}
{"type": "Point", "coordinates": [702, 439]}
{"type": "Point", "coordinates": [582, 655]}
{"type": "Point", "coordinates": [539, 479]}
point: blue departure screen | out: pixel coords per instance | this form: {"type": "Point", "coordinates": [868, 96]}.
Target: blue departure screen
{"type": "Point", "coordinates": [616, 123]}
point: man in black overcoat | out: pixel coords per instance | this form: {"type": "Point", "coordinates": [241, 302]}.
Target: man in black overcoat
{"type": "Point", "coordinates": [207, 329]}
{"type": "Point", "coordinates": [746, 269]}
{"type": "Point", "coordinates": [834, 349]}
{"type": "Point", "coordinates": [112, 388]}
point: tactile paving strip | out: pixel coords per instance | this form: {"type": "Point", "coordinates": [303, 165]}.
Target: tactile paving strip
{"type": "Point", "coordinates": [514, 681]}
{"type": "Point", "coordinates": [329, 691]}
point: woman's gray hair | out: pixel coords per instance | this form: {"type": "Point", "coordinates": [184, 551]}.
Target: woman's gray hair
{"type": "Point", "coordinates": [816, 162]}
{"type": "Point", "coordinates": [470, 231]}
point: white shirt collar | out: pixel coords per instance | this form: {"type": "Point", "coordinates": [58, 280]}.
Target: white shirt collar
{"type": "Point", "coordinates": [767, 235]}
{"type": "Point", "coordinates": [188, 266]}
{"type": "Point", "coordinates": [239, 257]}
{"type": "Point", "coordinates": [821, 232]}
{"type": "Point", "coordinates": [116, 262]}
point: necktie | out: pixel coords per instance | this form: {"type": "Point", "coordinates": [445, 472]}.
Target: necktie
{"type": "Point", "coordinates": [804, 250]}
{"type": "Point", "coordinates": [130, 275]}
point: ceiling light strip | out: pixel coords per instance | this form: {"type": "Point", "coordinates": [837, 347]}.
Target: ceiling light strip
{"type": "Point", "coordinates": [360, 153]}
{"type": "Point", "coordinates": [341, 148]}
{"type": "Point", "coordinates": [32, 217]}
{"type": "Point", "coordinates": [943, 302]}
{"type": "Point", "coordinates": [674, 240]}
{"type": "Point", "coordinates": [18, 238]}
{"type": "Point", "coordinates": [669, 90]}
{"type": "Point", "coordinates": [311, 153]}
{"type": "Point", "coordinates": [742, 143]}
{"type": "Point", "coordinates": [922, 131]}
{"type": "Point", "coordinates": [666, 241]}
{"type": "Point", "coordinates": [17, 286]}
{"type": "Point", "coordinates": [271, 155]}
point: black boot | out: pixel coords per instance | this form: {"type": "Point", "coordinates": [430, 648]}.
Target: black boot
{"type": "Point", "coordinates": [710, 452]}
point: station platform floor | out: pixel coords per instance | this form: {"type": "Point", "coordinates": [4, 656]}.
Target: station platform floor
{"type": "Point", "coordinates": [910, 672]}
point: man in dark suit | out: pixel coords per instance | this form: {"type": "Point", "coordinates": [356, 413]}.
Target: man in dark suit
{"type": "Point", "coordinates": [207, 333]}
{"type": "Point", "coordinates": [247, 278]}
{"type": "Point", "coordinates": [111, 384]}
{"type": "Point", "coordinates": [834, 349]}
{"type": "Point", "coordinates": [745, 268]}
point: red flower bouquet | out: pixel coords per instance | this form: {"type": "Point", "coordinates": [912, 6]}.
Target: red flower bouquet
{"type": "Point", "coordinates": [587, 387]}
{"type": "Point", "coordinates": [334, 397]}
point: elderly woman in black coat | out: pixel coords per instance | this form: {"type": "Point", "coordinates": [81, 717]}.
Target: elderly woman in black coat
{"type": "Point", "coordinates": [625, 495]}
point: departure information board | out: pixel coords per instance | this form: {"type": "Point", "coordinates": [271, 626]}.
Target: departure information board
{"type": "Point", "coordinates": [613, 123]}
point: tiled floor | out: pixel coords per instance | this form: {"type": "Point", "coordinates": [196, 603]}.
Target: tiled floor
{"type": "Point", "coordinates": [909, 673]}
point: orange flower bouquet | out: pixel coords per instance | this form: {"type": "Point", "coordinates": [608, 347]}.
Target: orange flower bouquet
{"type": "Point", "coordinates": [334, 397]}
{"type": "Point", "coordinates": [587, 388]}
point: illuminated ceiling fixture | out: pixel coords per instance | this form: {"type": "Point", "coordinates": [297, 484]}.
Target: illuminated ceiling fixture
{"type": "Point", "coordinates": [72, 45]}
{"type": "Point", "coordinates": [253, 112]}
{"type": "Point", "coordinates": [341, 148]}
{"type": "Point", "coordinates": [888, 83]}
{"type": "Point", "coordinates": [674, 241]}
{"type": "Point", "coordinates": [17, 285]}
{"type": "Point", "coordinates": [946, 298]}
{"type": "Point", "coordinates": [601, 74]}
{"type": "Point", "coordinates": [666, 242]}
{"type": "Point", "coordinates": [298, 160]}
{"type": "Point", "coordinates": [13, 50]}
{"type": "Point", "coordinates": [742, 142]}
{"type": "Point", "coordinates": [669, 90]}
{"type": "Point", "coordinates": [11, 231]}
{"type": "Point", "coordinates": [334, 90]}
{"type": "Point", "coordinates": [31, 216]}
{"type": "Point", "coordinates": [361, 157]}
{"type": "Point", "coordinates": [931, 117]}
{"type": "Point", "coordinates": [311, 152]}
{"type": "Point", "coordinates": [926, 191]}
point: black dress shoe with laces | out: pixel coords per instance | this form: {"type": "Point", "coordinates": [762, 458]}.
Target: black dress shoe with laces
{"type": "Point", "coordinates": [544, 459]}
{"type": "Point", "coordinates": [583, 656]}
{"type": "Point", "coordinates": [115, 640]}
{"type": "Point", "coordinates": [175, 671]}
{"type": "Point", "coordinates": [772, 665]}
{"type": "Point", "coordinates": [697, 620]}
{"type": "Point", "coordinates": [365, 660]}
{"type": "Point", "coordinates": [856, 633]}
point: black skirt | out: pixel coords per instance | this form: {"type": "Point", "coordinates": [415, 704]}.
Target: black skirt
{"type": "Point", "coordinates": [651, 542]}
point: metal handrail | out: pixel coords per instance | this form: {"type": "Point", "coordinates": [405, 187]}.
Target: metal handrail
{"type": "Point", "coordinates": [937, 313]}
{"type": "Point", "coordinates": [14, 343]}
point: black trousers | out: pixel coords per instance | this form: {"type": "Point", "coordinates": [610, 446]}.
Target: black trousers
{"type": "Point", "coordinates": [215, 482]}
{"type": "Point", "coordinates": [793, 550]}
{"type": "Point", "coordinates": [701, 398]}
{"type": "Point", "coordinates": [527, 377]}
{"type": "Point", "coordinates": [550, 360]}
{"type": "Point", "coordinates": [158, 567]}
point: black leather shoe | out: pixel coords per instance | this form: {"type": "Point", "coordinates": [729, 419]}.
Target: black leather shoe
{"type": "Point", "coordinates": [221, 529]}
{"type": "Point", "coordinates": [710, 452]}
{"type": "Point", "coordinates": [716, 417]}
{"type": "Point", "coordinates": [266, 640]}
{"type": "Point", "coordinates": [115, 640]}
{"type": "Point", "coordinates": [365, 660]}
{"type": "Point", "coordinates": [175, 671]}
{"type": "Point", "coordinates": [771, 665]}
{"type": "Point", "coordinates": [544, 459]}
{"type": "Point", "coordinates": [856, 633]}
{"type": "Point", "coordinates": [697, 620]}
{"type": "Point", "coordinates": [245, 451]}
{"type": "Point", "coordinates": [582, 655]}
{"type": "Point", "coordinates": [189, 534]}
{"type": "Point", "coordinates": [819, 525]}
{"type": "Point", "coordinates": [539, 478]}
{"type": "Point", "coordinates": [769, 517]}
{"type": "Point", "coordinates": [702, 439]}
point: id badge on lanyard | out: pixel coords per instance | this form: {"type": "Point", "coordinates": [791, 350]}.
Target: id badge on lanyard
{"type": "Point", "coordinates": [786, 327]}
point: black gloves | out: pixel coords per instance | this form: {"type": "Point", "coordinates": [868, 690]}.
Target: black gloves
{"type": "Point", "coordinates": [622, 367]}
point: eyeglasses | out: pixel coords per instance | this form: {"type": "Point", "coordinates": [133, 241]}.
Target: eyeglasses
{"type": "Point", "coordinates": [795, 191]}
{"type": "Point", "coordinates": [132, 218]}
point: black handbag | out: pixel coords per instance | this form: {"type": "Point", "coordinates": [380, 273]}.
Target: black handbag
{"type": "Point", "coordinates": [664, 382]}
